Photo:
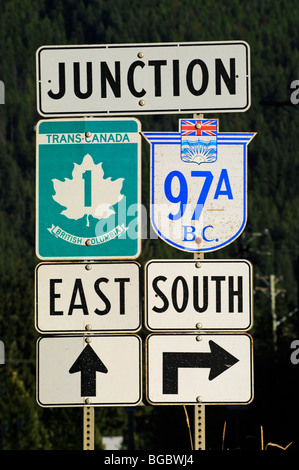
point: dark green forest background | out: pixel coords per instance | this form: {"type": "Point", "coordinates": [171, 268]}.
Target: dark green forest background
{"type": "Point", "coordinates": [271, 29]}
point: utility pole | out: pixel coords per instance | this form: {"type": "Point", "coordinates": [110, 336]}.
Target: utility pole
{"type": "Point", "coordinates": [272, 292]}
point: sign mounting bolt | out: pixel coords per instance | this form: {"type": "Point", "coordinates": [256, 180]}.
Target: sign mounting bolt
{"type": "Point", "coordinates": [87, 134]}
{"type": "Point", "coordinates": [198, 264]}
{"type": "Point", "coordinates": [88, 327]}
{"type": "Point", "coordinates": [197, 125]}
{"type": "Point", "coordinates": [140, 55]}
{"type": "Point", "coordinates": [88, 401]}
{"type": "Point", "coordinates": [88, 340]}
{"type": "Point", "coordinates": [142, 103]}
{"type": "Point", "coordinates": [88, 243]}
{"type": "Point", "coordinates": [199, 399]}
{"type": "Point", "coordinates": [88, 267]}
{"type": "Point", "coordinates": [198, 240]}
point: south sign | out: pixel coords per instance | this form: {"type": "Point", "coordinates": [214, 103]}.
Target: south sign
{"type": "Point", "coordinates": [198, 295]}
{"type": "Point", "coordinates": [130, 79]}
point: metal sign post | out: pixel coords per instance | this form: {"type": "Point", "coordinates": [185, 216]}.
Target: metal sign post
{"type": "Point", "coordinates": [199, 410]}
{"type": "Point", "coordinates": [88, 428]}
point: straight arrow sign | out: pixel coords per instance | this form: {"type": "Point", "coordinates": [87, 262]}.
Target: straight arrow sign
{"type": "Point", "coordinates": [218, 361]}
{"type": "Point", "coordinates": [107, 370]}
{"type": "Point", "coordinates": [88, 363]}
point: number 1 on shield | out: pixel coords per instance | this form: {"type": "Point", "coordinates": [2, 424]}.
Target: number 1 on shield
{"type": "Point", "coordinates": [87, 188]}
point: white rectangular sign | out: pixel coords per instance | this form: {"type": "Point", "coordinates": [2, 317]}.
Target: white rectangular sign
{"type": "Point", "coordinates": [131, 79]}
{"type": "Point", "coordinates": [80, 297]}
{"type": "Point", "coordinates": [205, 369]}
{"type": "Point", "coordinates": [198, 295]}
{"type": "Point", "coordinates": [103, 372]}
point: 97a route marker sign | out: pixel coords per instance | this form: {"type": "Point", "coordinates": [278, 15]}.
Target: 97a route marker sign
{"type": "Point", "coordinates": [198, 185]}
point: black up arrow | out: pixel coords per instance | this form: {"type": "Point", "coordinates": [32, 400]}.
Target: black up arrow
{"type": "Point", "coordinates": [88, 364]}
{"type": "Point", "coordinates": [218, 360]}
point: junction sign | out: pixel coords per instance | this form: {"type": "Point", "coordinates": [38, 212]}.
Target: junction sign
{"type": "Point", "coordinates": [131, 79]}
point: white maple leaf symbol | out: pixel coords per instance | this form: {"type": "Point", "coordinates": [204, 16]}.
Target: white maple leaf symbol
{"type": "Point", "coordinates": [88, 192]}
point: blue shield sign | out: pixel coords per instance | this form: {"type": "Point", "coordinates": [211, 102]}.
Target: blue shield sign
{"type": "Point", "coordinates": [88, 188]}
{"type": "Point", "coordinates": [198, 185]}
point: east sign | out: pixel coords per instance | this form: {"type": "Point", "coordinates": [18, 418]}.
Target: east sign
{"type": "Point", "coordinates": [130, 79]}
{"type": "Point", "coordinates": [87, 297]}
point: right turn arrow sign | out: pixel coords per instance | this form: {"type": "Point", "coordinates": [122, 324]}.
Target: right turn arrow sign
{"type": "Point", "coordinates": [218, 361]}
{"type": "Point", "coordinates": [199, 368]}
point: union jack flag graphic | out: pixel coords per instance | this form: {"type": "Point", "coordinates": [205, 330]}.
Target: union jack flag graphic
{"type": "Point", "coordinates": [199, 140]}
{"type": "Point", "coordinates": [203, 127]}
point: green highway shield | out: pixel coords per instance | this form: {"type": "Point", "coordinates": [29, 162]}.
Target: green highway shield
{"type": "Point", "coordinates": [88, 188]}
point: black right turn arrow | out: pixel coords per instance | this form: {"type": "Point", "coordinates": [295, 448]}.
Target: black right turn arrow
{"type": "Point", "coordinates": [218, 361]}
